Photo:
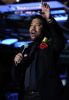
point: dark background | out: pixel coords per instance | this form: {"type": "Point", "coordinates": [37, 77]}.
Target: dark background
{"type": "Point", "coordinates": [18, 28]}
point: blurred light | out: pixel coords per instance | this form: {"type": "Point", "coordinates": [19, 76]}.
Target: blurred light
{"type": "Point", "coordinates": [63, 79]}
{"type": "Point", "coordinates": [0, 42]}
{"type": "Point", "coordinates": [29, 6]}
{"type": "Point", "coordinates": [58, 12]}
{"type": "Point", "coordinates": [64, 56]}
{"type": "Point", "coordinates": [9, 41]}
{"type": "Point", "coordinates": [11, 96]}
{"type": "Point", "coordinates": [61, 17]}
{"type": "Point", "coordinates": [64, 82]}
{"type": "Point", "coordinates": [63, 76]}
{"type": "Point", "coordinates": [67, 41]}
{"type": "Point", "coordinates": [17, 0]}
{"type": "Point", "coordinates": [19, 44]}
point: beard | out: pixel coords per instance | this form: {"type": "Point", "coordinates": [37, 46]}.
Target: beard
{"type": "Point", "coordinates": [37, 39]}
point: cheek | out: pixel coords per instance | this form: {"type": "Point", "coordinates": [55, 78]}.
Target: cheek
{"type": "Point", "coordinates": [29, 29]}
{"type": "Point", "coordinates": [39, 30]}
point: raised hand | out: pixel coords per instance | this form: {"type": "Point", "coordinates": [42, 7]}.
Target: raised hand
{"type": "Point", "coordinates": [45, 10]}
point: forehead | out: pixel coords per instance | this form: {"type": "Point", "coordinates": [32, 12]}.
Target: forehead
{"type": "Point", "coordinates": [36, 20]}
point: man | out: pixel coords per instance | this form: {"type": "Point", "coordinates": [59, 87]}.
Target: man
{"type": "Point", "coordinates": [37, 65]}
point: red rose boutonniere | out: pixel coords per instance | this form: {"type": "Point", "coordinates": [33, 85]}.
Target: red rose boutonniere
{"type": "Point", "coordinates": [43, 44]}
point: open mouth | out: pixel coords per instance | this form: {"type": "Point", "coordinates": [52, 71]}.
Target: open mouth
{"type": "Point", "coordinates": [33, 32]}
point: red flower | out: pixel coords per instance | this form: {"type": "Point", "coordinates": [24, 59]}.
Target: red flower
{"type": "Point", "coordinates": [43, 45]}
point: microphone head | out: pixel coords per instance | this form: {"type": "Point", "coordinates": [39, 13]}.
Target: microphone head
{"type": "Point", "coordinates": [26, 45]}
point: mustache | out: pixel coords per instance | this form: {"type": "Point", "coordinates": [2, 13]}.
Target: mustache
{"type": "Point", "coordinates": [33, 30]}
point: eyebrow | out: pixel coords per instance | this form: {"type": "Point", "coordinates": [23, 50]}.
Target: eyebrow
{"type": "Point", "coordinates": [37, 23]}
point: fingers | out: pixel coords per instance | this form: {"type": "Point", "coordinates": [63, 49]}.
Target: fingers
{"type": "Point", "coordinates": [18, 58]}
{"type": "Point", "coordinates": [40, 12]}
{"type": "Point", "coordinates": [48, 6]}
{"type": "Point", "coordinates": [25, 55]}
{"type": "Point", "coordinates": [44, 4]}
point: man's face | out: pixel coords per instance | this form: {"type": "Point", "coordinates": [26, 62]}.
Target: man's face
{"type": "Point", "coordinates": [36, 28]}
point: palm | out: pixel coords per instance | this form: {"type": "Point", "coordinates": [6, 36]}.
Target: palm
{"type": "Point", "coordinates": [45, 10]}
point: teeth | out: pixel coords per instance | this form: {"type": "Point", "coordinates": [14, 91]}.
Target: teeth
{"type": "Point", "coordinates": [33, 32]}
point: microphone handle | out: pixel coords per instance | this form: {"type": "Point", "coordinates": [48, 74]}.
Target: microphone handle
{"type": "Point", "coordinates": [16, 63]}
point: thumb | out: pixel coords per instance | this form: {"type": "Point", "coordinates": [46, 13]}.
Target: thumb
{"type": "Point", "coordinates": [41, 13]}
{"type": "Point", "coordinates": [25, 55]}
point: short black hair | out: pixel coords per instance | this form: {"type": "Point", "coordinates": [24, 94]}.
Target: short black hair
{"type": "Point", "coordinates": [44, 23]}
{"type": "Point", "coordinates": [41, 18]}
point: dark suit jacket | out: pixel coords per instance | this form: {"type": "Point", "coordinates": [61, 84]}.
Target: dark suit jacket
{"type": "Point", "coordinates": [48, 81]}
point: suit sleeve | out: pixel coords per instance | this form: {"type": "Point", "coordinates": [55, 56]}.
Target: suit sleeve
{"type": "Point", "coordinates": [57, 36]}
{"type": "Point", "coordinates": [16, 70]}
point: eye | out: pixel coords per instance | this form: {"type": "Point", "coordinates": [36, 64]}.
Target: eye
{"type": "Point", "coordinates": [31, 25]}
{"type": "Point", "coordinates": [38, 25]}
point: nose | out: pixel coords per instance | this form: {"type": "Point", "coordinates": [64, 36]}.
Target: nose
{"type": "Point", "coordinates": [34, 26]}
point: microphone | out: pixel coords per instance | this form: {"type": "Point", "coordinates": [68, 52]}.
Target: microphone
{"type": "Point", "coordinates": [25, 46]}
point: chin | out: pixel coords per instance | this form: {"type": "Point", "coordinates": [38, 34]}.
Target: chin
{"type": "Point", "coordinates": [33, 39]}
{"type": "Point", "coordinates": [36, 39]}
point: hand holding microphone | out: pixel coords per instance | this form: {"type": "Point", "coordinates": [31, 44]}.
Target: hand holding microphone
{"type": "Point", "coordinates": [18, 58]}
